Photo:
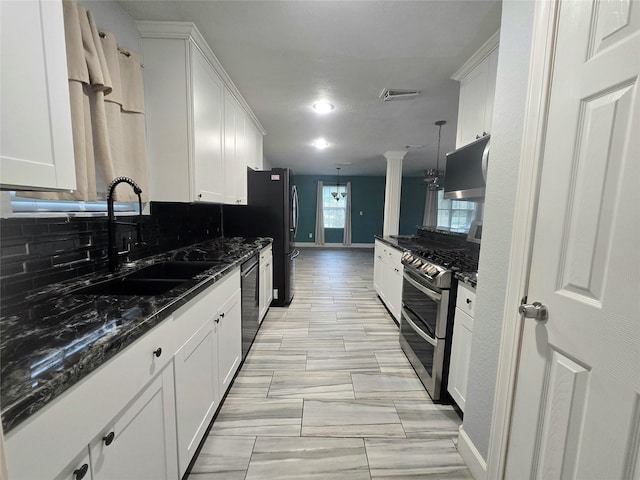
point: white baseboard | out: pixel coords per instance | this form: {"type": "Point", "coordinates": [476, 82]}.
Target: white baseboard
{"type": "Point", "coordinates": [332, 245]}
{"type": "Point", "coordinates": [469, 453]}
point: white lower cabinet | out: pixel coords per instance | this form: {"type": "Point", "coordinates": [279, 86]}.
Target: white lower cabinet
{"type": "Point", "coordinates": [266, 281]}
{"type": "Point", "coordinates": [143, 413]}
{"type": "Point", "coordinates": [207, 362]}
{"type": "Point", "coordinates": [461, 344]}
{"type": "Point", "coordinates": [387, 276]}
{"type": "Point", "coordinates": [140, 443]}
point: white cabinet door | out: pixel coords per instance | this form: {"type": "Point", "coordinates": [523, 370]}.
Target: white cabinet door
{"type": "Point", "coordinates": [378, 268]}
{"type": "Point", "coordinates": [140, 444]}
{"type": "Point", "coordinates": [492, 73]}
{"type": "Point", "coordinates": [394, 289]}
{"type": "Point", "coordinates": [240, 177]}
{"type": "Point", "coordinates": [78, 469]}
{"type": "Point", "coordinates": [472, 106]}
{"type": "Point", "coordinates": [254, 145]}
{"type": "Point", "coordinates": [387, 276]}
{"type": "Point", "coordinates": [36, 143]}
{"type": "Point", "coordinates": [460, 357]}
{"type": "Point", "coordinates": [229, 332]}
{"type": "Point", "coordinates": [266, 281]}
{"type": "Point", "coordinates": [197, 394]}
{"type": "Point", "coordinates": [207, 131]}
{"type": "Point", "coordinates": [235, 167]}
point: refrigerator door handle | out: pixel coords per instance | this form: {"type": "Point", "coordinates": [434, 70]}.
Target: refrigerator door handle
{"type": "Point", "coordinates": [294, 192]}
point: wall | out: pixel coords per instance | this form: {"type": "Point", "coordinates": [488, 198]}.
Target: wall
{"type": "Point", "coordinates": [506, 139]}
{"type": "Point", "coordinates": [111, 17]}
{"type": "Point", "coordinates": [367, 196]}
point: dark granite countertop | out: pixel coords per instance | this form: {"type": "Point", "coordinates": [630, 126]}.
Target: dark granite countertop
{"type": "Point", "coordinates": [53, 338]}
{"type": "Point", "coordinates": [401, 242]}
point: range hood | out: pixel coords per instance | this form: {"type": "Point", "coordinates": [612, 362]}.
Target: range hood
{"type": "Point", "coordinates": [466, 171]}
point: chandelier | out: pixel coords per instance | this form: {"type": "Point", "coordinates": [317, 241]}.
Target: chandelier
{"type": "Point", "coordinates": [434, 176]}
{"type": "Point", "coordinates": [337, 194]}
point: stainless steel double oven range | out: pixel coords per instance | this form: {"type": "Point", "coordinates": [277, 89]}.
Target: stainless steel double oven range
{"type": "Point", "coordinates": [428, 306]}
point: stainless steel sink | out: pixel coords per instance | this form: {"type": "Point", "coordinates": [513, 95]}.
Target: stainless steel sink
{"type": "Point", "coordinates": [153, 280]}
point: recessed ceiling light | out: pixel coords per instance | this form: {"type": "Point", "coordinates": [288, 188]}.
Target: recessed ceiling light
{"type": "Point", "coordinates": [322, 107]}
{"type": "Point", "coordinates": [320, 143]}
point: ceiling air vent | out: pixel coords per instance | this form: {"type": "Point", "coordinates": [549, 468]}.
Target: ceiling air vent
{"type": "Point", "coordinates": [389, 94]}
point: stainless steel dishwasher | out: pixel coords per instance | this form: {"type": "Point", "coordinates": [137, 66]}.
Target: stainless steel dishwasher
{"type": "Point", "coordinates": [249, 307]}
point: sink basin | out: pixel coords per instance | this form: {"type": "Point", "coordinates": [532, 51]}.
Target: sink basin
{"type": "Point", "coordinates": [153, 280]}
{"type": "Point", "coordinates": [131, 286]}
{"type": "Point", "coordinates": [172, 270]}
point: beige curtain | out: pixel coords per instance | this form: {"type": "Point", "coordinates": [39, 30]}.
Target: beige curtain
{"type": "Point", "coordinates": [430, 218]}
{"type": "Point", "coordinates": [346, 240]}
{"type": "Point", "coordinates": [319, 216]}
{"type": "Point", "coordinates": [107, 110]}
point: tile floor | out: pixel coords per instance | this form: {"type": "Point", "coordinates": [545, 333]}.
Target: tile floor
{"type": "Point", "coordinates": [326, 392]}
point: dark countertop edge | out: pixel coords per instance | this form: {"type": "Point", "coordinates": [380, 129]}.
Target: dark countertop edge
{"type": "Point", "coordinates": [466, 279]}
{"type": "Point", "coordinates": [40, 398]}
{"type": "Point", "coordinates": [401, 242]}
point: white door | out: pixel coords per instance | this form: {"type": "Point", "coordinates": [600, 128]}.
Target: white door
{"type": "Point", "coordinates": [577, 402]}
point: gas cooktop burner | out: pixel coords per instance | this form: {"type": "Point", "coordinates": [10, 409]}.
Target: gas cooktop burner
{"type": "Point", "coordinates": [433, 262]}
{"type": "Point", "coordinates": [452, 259]}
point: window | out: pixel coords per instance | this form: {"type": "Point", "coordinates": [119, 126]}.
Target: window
{"type": "Point", "coordinates": [334, 211]}
{"type": "Point", "coordinates": [33, 206]}
{"type": "Point", "coordinates": [455, 215]}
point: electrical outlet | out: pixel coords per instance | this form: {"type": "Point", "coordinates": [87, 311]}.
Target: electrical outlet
{"type": "Point", "coordinates": [360, 212]}
{"type": "Point", "coordinates": [311, 235]}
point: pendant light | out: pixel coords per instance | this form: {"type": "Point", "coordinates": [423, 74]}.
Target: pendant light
{"type": "Point", "coordinates": [337, 194]}
{"type": "Point", "coordinates": [434, 176]}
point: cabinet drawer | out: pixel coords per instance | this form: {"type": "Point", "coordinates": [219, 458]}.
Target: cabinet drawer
{"type": "Point", "coordinates": [466, 300]}
{"type": "Point", "coordinates": [395, 256]}
{"type": "Point", "coordinates": [265, 253]}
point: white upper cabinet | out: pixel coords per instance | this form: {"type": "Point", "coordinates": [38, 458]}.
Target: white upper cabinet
{"type": "Point", "coordinates": [196, 119]}
{"type": "Point", "coordinates": [477, 79]}
{"type": "Point", "coordinates": [253, 146]}
{"type": "Point", "coordinates": [36, 143]}
{"type": "Point", "coordinates": [235, 172]}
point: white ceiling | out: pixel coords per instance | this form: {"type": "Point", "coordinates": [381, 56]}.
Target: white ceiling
{"type": "Point", "coordinates": [284, 55]}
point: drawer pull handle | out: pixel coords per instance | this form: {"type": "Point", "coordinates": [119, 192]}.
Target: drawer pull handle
{"type": "Point", "coordinates": [468, 301]}
{"type": "Point", "coordinates": [157, 352]}
{"type": "Point", "coordinates": [81, 472]}
{"type": "Point", "coordinates": [108, 439]}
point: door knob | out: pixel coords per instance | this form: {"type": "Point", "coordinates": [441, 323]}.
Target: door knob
{"type": "Point", "coordinates": [534, 310]}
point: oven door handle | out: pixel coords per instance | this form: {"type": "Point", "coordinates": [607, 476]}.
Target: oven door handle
{"type": "Point", "coordinates": [408, 309]}
{"type": "Point", "coordinates": [436, 297]}
{"type": "Point", "coordinates": [422, 335]}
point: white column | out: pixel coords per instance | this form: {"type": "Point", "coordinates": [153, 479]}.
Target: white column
{"type": "Point", "coordinates": [392, 192]}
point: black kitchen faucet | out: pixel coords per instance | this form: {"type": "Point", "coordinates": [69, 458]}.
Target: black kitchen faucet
{"type": "Point", "coordinates": [113, 248]}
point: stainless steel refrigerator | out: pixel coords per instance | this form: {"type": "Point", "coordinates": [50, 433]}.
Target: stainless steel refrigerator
{"type": "Point", "coordinates": [271, 211]}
